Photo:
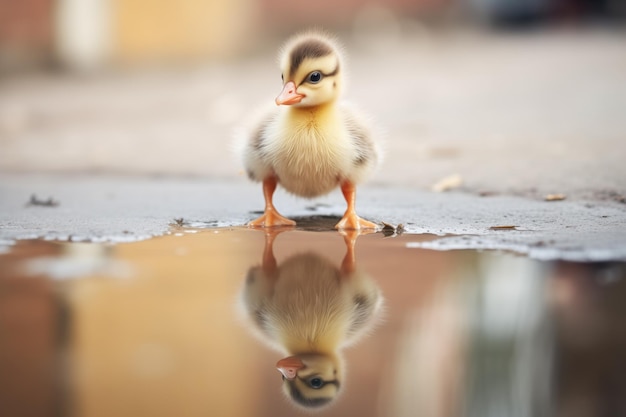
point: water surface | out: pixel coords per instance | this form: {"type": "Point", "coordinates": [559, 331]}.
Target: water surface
{"type": "Point", "coordinates": [190, 324]}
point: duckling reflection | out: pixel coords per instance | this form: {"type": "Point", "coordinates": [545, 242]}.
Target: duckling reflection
{"type": "Point", "coordinates": [309, 308]}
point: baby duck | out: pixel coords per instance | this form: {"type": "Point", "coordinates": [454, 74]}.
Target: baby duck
{"type": "Point", "coordinates": [312, 144]}
{"type": "Point", "coordinates": [308, 308]}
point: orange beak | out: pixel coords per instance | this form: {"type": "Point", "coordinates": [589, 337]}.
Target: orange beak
{"type": "Point", "coordinates": [289, 366]}
{"type": "Point", "coordinates": [289, 96]}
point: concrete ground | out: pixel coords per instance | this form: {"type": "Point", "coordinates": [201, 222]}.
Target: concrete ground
{"type": "Point", "coordinates": [514, 117]}
{"type": "Point", "coordinates": [119, 209]}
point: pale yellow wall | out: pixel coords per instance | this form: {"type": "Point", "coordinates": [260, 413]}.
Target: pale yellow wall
{"type": "Point", "coordinates": [179, 29]}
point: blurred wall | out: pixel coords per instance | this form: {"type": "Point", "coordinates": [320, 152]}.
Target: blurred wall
{"type": "Point", "coordinates": [86, 34]}
{"type": "Point", "coordinates": [286, 15]}
{"type": "Point", "coordinates": [148, 30]}
{"type": "Point", "coordinates": [26, 32]}
{"type": "Point", "coordinates": [95, 33]}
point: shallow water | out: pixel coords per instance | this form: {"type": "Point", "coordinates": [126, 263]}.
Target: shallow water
{"type": "Point", "coordinates": [193, 324]}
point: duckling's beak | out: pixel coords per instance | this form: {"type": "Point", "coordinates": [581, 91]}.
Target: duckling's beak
{"type": "Point", "coordinates": [289, 96]}
{"type": "Point", "coordinates": [289, 366]}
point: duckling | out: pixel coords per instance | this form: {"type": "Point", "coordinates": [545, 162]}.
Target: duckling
{"type": "Point", "coordinates": [312, 143]}
{"type": "Point", "coordinates": [309, 309]}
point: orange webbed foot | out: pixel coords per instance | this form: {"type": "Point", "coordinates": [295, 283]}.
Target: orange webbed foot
{"type": "Point", "coordinates": [271, 218]}
{"type": "Point", "coordinates": [353, 222]}
{"type": "Point", "coordinates": [350, 220]}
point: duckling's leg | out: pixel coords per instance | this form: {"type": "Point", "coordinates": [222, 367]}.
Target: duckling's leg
{"type": "Point", "coordinates": [350, 219]}
{"type": "Point", "coordinates": [348, 265]}
{"type": "Point", "coordinates": [271, 217]}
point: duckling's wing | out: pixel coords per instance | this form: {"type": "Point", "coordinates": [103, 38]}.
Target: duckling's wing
{"type": "Point", "coordinates": [366, 308]}
{"type": "Point", "coordinates": [255, 159]}
{"type": "Point", "coordinates": [366, 150]}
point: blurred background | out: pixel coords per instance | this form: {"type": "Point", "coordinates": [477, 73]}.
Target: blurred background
{"type": "Point", "coordinates": [472, 88]}
{"type": "Point", "coordinates": [79, 34]}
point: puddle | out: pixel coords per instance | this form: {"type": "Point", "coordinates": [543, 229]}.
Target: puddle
{"type": "Point", "coordinates": [195, 323]}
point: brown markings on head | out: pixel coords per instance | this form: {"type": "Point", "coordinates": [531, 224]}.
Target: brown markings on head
{"type": "Point", "coordinates": [309, 48]}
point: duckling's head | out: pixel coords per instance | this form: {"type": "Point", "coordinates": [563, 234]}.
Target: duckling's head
{"type": "Point", "coordinates": [311, 380]}
{"type": "Point", "coordinates": [311, 71]}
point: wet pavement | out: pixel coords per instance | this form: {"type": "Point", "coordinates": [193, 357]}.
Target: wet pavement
{"type": "Point", "coordinates": [109, 208]}
{"type": "Point", "coordinates": [194, 322]}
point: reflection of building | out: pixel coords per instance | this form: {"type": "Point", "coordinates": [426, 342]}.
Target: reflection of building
{"type": "Point", "coordinates": [124, 330]}
{"type": "Point", "coordinates": [480, 346]}
{"type": "Point", "coordinates": [158, 343]}
{"type": "Point", "coordinates": [31, 319]}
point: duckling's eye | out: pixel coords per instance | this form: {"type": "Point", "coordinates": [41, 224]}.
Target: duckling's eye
{"type": "Point", "coordinates": [314, 77]}
{"type": "Point", "coordinates": [316, 383]}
